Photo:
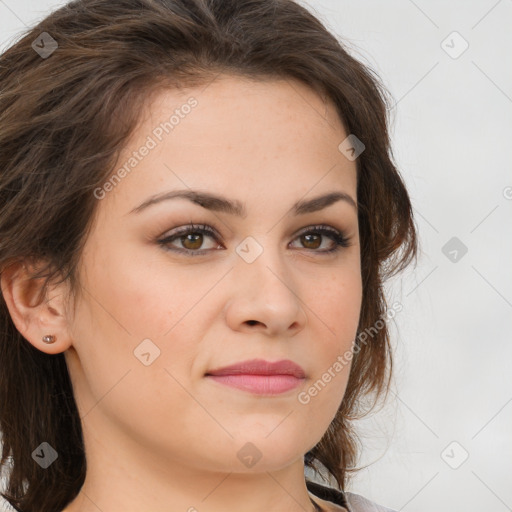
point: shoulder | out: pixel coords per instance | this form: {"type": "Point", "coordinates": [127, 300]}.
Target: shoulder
{"type": "Point", "coordinates": [348, 501]}
{"type": "Point", "coordinates": [359, 503]}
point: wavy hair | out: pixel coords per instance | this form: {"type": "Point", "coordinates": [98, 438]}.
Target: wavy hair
{"type": "Point", "coordinates": [65, 117]}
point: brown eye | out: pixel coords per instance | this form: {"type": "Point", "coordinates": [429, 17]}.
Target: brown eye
{"type": "Point", "coordinates": [192, 241]}
{"type": "Point", "coordinates": [311, 241]}
{"type": "Point", "coordinates": [313, 238]}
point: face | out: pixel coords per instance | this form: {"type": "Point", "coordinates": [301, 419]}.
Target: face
{"type": "Point", "coordinates": [164, 303]}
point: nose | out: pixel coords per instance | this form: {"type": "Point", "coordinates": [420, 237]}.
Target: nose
{"type": "Point", "coordinates": [264, 297]}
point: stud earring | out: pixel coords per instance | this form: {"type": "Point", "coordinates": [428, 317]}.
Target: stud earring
{"type": "Point", "coordinates": [49, 338]}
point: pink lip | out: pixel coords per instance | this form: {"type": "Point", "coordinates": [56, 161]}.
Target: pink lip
{"type": "Point", "coordinates": [260, 376]}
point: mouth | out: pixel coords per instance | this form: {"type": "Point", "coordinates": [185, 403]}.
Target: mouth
{"type": "Point", "coordinates": [260, 377]}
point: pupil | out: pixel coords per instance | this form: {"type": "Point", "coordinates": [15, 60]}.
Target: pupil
{"type": "Point", "coordinates": [308, 240]}
{"type": "Point", "coordinates": [195, 244]}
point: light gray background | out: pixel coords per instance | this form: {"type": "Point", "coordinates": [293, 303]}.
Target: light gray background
{"type": "Point", "coordinates": [452, 132]}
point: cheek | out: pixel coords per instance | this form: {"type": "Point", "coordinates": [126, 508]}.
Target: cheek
{"type": "Point", "coordinates": [338, 306]}
{"type": "Point", "coordinates": [137, 300]}
{"type": "Point", "coordinates": [127, 304]}
{"type": "Point", "coordinates": [338, 310]}
{"type": "Point", "coordinates": [132, 296]}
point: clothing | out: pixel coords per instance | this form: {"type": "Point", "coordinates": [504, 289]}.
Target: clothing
{"type": "Point", "coordinates": [339, 501]}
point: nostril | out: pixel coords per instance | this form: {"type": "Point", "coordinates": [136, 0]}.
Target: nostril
{"type": "Point", "coordinates": [252, 322]}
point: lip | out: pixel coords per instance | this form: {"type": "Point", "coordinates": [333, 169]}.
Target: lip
{"type": "Point", "coordinates": [260, 376]}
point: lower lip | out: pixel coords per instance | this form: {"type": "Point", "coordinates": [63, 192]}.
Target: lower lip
{"type": "Point", "coordinates": [259, 384]}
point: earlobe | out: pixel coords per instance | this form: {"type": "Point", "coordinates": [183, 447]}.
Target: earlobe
{"type": "Point", "coordinates": [39, 317]}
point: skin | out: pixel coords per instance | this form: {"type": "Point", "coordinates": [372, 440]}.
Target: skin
{"type": "Point", "coordinates": [165, 437]}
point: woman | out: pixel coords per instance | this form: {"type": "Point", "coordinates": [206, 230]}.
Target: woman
{"type": "Point", "coordinates": [199, 209]}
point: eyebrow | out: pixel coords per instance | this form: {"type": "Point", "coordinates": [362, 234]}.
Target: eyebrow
{"type": "Point", "coordinates": [221, 204]}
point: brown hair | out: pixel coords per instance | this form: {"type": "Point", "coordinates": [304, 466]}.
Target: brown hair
{"type": "Point", "coordinates": [64, 119]}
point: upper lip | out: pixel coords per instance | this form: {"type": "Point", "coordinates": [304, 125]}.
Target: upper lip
{"type": "Point", "coordinates": [261, 367]}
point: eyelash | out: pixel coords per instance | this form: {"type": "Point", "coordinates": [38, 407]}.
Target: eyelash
{"type": "Point", "coordinates": [336, 236]}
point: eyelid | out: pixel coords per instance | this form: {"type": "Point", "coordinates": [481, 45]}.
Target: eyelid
{"type": "Point", "coordinates": [338, 236]}
{"type": "Point", "coordinates": [190, 228]}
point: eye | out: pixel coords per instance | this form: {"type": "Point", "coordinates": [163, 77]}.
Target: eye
{"type": "Point", "coordinates": [312, 238]}
{"type": "Point", "coordinates": [190, 239]}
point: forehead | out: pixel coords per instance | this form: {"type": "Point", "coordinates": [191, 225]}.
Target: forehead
{"type": "Point", "coordinates": [249, 136]}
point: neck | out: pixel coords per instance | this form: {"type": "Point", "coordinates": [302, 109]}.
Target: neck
{"type": "Point", "coordinates": [132, 478]}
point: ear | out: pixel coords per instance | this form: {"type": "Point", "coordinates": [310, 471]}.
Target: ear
{"type": "Point", "coordinates": [34, 312]}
